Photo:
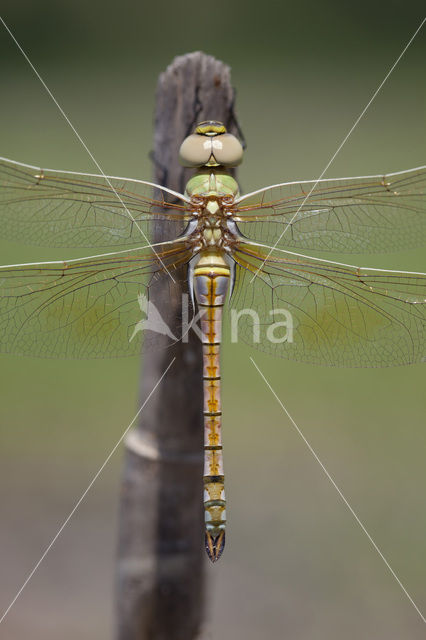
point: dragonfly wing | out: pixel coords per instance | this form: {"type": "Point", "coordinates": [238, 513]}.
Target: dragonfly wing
{"type": "Point", "coordinates": [351, 215]}
{"type": "Point", "coordinates": [67, 209]}
{"type": "Point", "coordinates": [88, 308]}
{"type": "Point", "coordinates": [330, 313]}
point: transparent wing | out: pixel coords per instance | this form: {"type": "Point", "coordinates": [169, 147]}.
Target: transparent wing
{"type": "Point", "coordinates": [89, 308]}
{"type": "Point", "coordinates": [332, 314]}
{"type": "Point", "coordinates": [66, 209]}
{"type": "Point", "coordinates": [350, 215]}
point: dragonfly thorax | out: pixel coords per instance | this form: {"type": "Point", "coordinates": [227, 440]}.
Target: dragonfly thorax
{"type": "Point", "coordinates": [213, 231]}
{"type": "Point", "coordinates": [212, 193]}
{"type": "Point", "coordinates": [212, 182]}
{"type": "Point", "coordinates": [212, 236]}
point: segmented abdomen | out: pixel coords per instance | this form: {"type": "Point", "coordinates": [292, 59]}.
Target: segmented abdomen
{"type": "Point", "coordinates": [211, 283]}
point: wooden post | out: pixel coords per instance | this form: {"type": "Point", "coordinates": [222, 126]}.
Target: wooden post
{"type": "Point", "coordinates": [160, 581]}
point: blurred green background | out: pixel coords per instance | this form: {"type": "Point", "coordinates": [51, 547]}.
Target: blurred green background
{"type": "Point", "coordinates": [297, 565]}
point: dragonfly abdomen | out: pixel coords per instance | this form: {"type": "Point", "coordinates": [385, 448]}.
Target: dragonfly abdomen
{"type": "Point", "coordinates": [211, 284]}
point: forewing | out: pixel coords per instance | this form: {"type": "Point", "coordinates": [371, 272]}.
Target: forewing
{"type": "Point", "coordinates": [66, 209]}
{"type": "Point", "coordinates": [352, 215]}
{"type": "Point", "coordinates": [84, 308]}
{"type": "Point", "coordinates": [332, 314]}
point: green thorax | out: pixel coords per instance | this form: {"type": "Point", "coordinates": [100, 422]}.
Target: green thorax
{"type": "Point", "coordinates": [212, 182]}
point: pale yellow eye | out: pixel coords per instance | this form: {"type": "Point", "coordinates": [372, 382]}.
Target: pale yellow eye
{"type": "Point", "coordinates": [210, 150]}
{"type": "Point", "coordinates": [195, 151]}
{"type": "Point", "coordinates": [227, 150]}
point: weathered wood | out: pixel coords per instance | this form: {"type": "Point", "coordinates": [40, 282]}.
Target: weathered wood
{"type": "Point", "coordinates": [160, 584]}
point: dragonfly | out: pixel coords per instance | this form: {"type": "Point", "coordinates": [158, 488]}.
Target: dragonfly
{"type": "Point", "coordinates": [241, 254]}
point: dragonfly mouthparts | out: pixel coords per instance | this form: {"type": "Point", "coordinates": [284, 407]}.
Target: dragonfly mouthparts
{"type": "Point", "coordinates": [210, 128]}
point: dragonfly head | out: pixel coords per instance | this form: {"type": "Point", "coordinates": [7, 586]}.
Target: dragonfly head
{"type": "Point", "coordinates": [211, 146]}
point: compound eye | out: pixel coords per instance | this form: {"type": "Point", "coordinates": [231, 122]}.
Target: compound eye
{"type": "Point", "coordinates": [227, 150]}
{"type": "Point", "coordinates": [195, 150]}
